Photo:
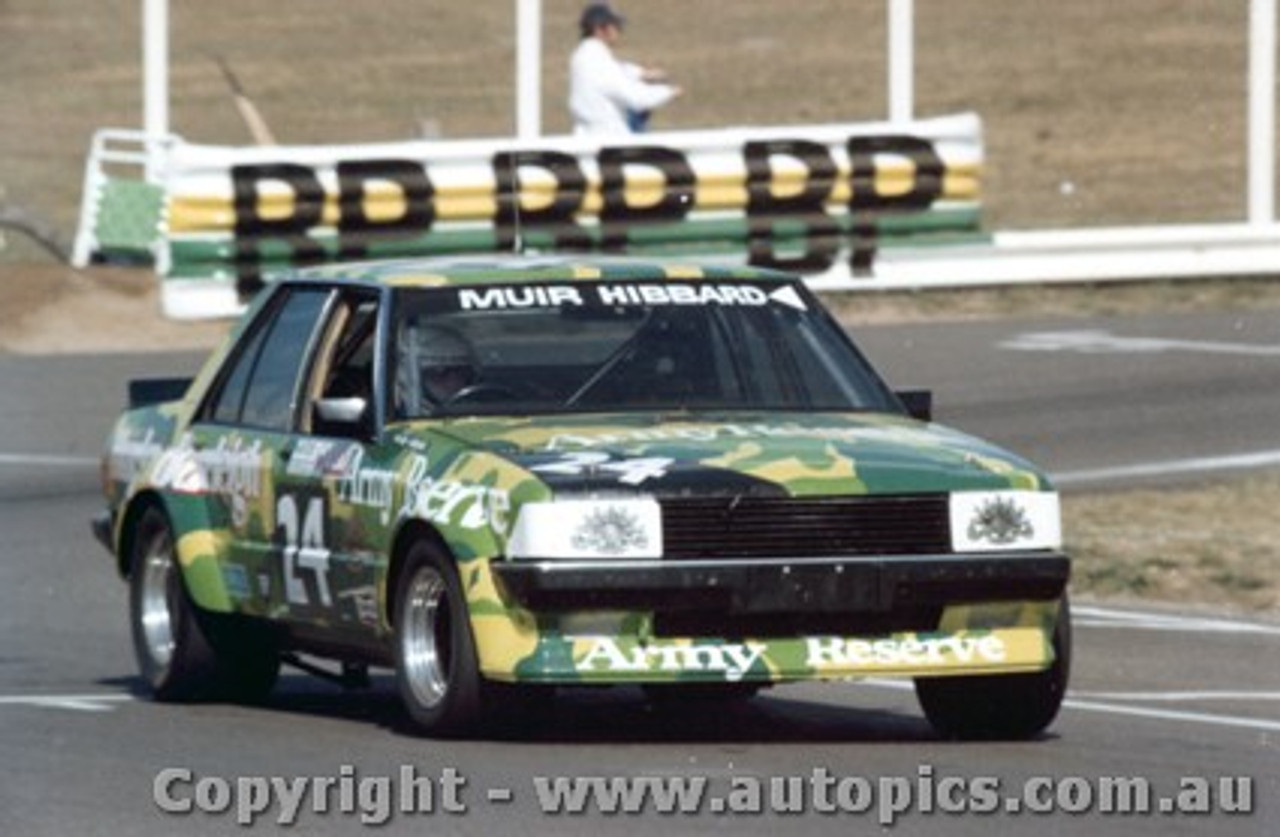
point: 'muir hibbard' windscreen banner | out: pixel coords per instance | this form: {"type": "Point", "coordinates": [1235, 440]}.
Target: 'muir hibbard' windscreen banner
{"type": "Point", "coordinates": [806, 198]}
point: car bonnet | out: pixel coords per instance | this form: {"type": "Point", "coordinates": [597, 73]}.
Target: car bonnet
{"type": "Point", "coordinates": [773, 454]}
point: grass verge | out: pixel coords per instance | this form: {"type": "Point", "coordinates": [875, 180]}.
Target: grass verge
{"type": "Point", "coordinates": [1215, 544]}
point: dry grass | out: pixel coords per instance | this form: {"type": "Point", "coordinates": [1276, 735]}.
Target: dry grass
{"type": "Point", "coordinates": [1095, 111]}
{"type": "Point", "coordinates": [1218, 544]}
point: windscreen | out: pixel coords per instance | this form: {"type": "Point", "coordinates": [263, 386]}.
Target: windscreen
{"type": "Point", "coordinates": [623, 347]}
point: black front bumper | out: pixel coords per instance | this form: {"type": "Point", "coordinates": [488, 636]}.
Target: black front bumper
{"type": "Point", "coordinates": [864, 585]}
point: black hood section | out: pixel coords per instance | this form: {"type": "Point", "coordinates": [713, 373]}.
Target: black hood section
{"type": "Point", "coordinates": [679, 479]}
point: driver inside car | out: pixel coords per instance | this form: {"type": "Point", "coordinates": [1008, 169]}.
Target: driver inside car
{"type": "Point", "coordinates": [442, 361]}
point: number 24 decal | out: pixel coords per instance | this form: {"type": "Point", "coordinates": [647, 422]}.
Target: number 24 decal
{"type": "Point", "coordinates": [304, 547]}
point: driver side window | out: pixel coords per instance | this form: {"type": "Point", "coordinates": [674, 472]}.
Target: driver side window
{"type": "Point", "coordinates": [346, 363]}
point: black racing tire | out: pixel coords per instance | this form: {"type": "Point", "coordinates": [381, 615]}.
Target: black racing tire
{"type": "Point", "coordinates": [1003, 707]}
{"type": "Point", "coordinates": [178, 656]}
{"type": "Point", "coordinates": [437, 672]}
{"type": "Point", "coordinates": [248, 656]}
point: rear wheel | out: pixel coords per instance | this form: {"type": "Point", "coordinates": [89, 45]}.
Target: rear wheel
{"type": "Point", "coordinates": [1001, 707]}
{"type": "Point", "coordinates": [182, 654]}
{"type": "Point", "coordinates": [436, 668]}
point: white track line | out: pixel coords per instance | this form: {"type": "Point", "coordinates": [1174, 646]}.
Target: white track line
{"type": "Point", "coordinates": [1083, 616]}
{"type": "Point", "coordinates": [1257, 459]}
{"type": "Point", "coordinates": [1177, 697]}
{"type": "Point", "coordinates": [1097, 341]}
{"type": "Point", "coordinates": [1122, 709]}
{"type": "Point", "coordinates": [80, 703]}
{"type": "Point", "coordinates": [1171, 715]}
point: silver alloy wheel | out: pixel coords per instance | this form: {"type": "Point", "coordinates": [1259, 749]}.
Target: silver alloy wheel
{"type": "Point", "coordinates": [159, 599]}
{"type": "Point", "coordinates": [425, 637]}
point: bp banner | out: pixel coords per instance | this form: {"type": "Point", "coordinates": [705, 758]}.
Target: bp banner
{"type": "Point", "coordinates": [805, 198]}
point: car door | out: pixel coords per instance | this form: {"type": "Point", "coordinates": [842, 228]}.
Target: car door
{"type": "Point", "coordinates": [334, 485]}
{"type": "Point", "coordinates": [246, 429]}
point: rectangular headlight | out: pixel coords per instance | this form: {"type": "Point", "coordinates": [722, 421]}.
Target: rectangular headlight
{"type": "Point", "coordinates": [589, 528]}
{"type": "Point", "coordinates": [994, 521]}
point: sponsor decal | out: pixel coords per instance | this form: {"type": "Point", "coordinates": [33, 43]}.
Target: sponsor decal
{"type": "Point", "coordinates": [366, 487]}
{"type": "Point", "coordinates": [732, 660]}
{"type": "Point", "coordinates": [789, 297]}
{"type": "Point", "coordinates": [236, 580]}
{"type": "Point", "coordinates": [825, 652]}
{"type": "Point", "coordinates": [130, 454]}
{"type": "Point", "coordinates": [409, 441]}
{"type": "Point", "coordinates": [468, 505]}
{"type": "Point", "coordinates": [364, 601]}
{"type": "Point", "coordinates": [682, 294]}
{"type": "Point", "coordinates": [654, 294]}
{"type": "Point", "coordinates": [1004, 520]}
{"type": "Point", "coordinates": [701, 433]}
{"type": "Point", "coordinates": [611, 530]}
{"type": "Point", "coordinates": [838, 182]}
{"type": "Point", "coordinates": [1000, 521]}
{"type": "Point", "coordinates": [232, 469]}
{"type": "Point", "coordinates": [550, 296]}
{"type": "Point", "coordinates": [318, 457]}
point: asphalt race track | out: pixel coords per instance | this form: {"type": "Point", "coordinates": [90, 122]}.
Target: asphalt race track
{"type": "Point", "coordinates": [1157, 695]}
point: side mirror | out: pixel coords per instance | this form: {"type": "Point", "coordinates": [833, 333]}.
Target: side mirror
{"type": "Point", "coordinates": [918, 403]}
{"type": "Point", "coordinates": [345, 416]}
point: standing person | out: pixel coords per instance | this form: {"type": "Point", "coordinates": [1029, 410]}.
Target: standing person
{"type": "Point", "coordinates": [606, 95]}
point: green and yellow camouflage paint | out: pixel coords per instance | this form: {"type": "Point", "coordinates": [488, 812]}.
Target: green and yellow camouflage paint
{"type": "Point", "coordinates": [244, 513]}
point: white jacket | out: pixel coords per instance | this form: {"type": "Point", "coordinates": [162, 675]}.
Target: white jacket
{"type": "Point", "coordinates": [602, 89]}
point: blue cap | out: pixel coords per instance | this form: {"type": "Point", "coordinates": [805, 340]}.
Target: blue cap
{"type": "Point", "coordinates": [599, 14]}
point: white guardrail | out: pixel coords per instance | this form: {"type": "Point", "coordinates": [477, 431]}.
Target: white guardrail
{"type": "Point", "coordinates": [1074, 255]}
{"type": "Point", "coordinates": [1012, 258]}
{"type": "Point", "coordinates": [936, 245]}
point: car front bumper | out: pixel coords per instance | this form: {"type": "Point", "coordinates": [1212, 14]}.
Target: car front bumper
{"type": "Point", "coordinates": [769, 621]}
{"type": "Point", "coordinates": [784, 585]}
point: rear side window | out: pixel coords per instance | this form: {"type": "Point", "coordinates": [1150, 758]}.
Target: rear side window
{"type": "Point", "coordinates": [262, 387]}
{"type": "Point", "coordinates": [225, 409]}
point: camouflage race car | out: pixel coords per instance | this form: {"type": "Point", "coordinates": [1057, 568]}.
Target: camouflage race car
{"type": "Point", "coordinates": [501, 476]}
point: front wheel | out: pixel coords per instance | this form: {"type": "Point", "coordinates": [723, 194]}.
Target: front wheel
{"type": "Point", "coordinates": [1001, 706]}
{"type": "Point", "coordinates": [436, 668]}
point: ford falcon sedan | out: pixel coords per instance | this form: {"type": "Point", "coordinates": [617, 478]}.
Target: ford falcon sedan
{"type": "Point", "coordinates": [499, 476]}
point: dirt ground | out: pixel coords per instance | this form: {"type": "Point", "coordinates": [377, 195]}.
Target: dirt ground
{"type": "Point", "coordinates": [53, 309]}
{"type": "Point", "coordinates": [1095, 112]}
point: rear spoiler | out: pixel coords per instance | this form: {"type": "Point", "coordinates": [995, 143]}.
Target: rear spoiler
{"type": "Point", "coordinates": [144, 392]}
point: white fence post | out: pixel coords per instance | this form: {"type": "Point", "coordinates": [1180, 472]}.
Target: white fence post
{"type": "Point", "coordinates": [528, 69]}
{"type": "Point", "coordinates": [901, 60]}
{"type": "Point", "coordinates": [1262, 111]}
{"type": "Point", "coordinates": [155, 81]}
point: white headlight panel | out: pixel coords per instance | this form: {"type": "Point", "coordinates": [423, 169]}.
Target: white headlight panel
{"type": "Point", "coordinates": [582, 529]}
{"type": "Point", "coordinates": [994, 521]}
